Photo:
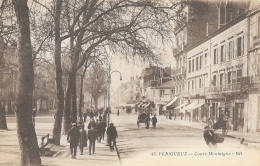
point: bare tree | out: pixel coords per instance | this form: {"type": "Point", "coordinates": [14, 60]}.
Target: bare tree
{"type": "Point", "coordinates": [96, 81]}
{"type": "Point", "coordinates": [26, 133]}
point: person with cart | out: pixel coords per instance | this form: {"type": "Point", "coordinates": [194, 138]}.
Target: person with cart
{"type": "Point", "coordinates": [209, 135]}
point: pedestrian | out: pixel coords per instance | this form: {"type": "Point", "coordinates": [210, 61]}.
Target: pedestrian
{"type": "Point", "coordinates": [210, 122]}
{"type": "Point", "coordinates": [209, 138]}
{"type": "Point", "coordinates": [112, 135]}
{"type": "Point", "coordinates": [99, 131]}
{"type": "Point", "coordinates": [83, 141]}
{"type": "Point", "coordinates": [92, 136]}
{"type": "Point", "coordinates": [84, 116]}
{"type": "Point", "coordinates": [33, 116]}
{"type": "Point", "coordinates": [91, 115]}
{"type": "Point", "coordinates": [103, 128]}
{"type": "Point", "coordinates": [92, 122]}
{"type": "Point", "coordinates": [166, 116]}
{"type": "Point", "coordinates": [154, 121]}
{"type": "Point", "coordinates": [147, 121]}
{"type": "Point", "coordinates": [117, 112]}
{"type": "Point", "coordinates": [73, 139]}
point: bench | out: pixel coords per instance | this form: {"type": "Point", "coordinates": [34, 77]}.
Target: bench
{"type": "Point", "coordinates": [46, 140]}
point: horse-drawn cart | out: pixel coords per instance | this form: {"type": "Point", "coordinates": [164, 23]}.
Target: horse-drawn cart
{"type": "Point", "coordinates": [143, 118]}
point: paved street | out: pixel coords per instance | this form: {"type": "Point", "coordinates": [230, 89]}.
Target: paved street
{"type": "Point", "coordinates": [141, 146]}
{"type": "Point", "coordinates": [168, 144]}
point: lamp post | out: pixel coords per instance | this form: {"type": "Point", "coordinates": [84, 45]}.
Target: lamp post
{"type": "Point", "coordinates": [109, 73]}
{"type": "Point", "coordinates": [108, 90]}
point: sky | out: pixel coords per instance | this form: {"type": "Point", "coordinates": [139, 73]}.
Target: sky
{"type": "Point", "coordinates": [128, 69]}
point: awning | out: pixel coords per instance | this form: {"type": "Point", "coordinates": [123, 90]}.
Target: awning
{"type": "Point", "coordinates": [147, 105]}
{"type": "Point", "coordinates": [171, 102]}
{"type": "Point", "coordinates": [191, 106]}
{"type": "Point", "coordinates": [180, 106]}
{"type": "Point", "coordinates": [130, 105]}
{"type": "Point", "coordinates": [139, 105]}
{"type": "Point", "coordinates": [198, 105]}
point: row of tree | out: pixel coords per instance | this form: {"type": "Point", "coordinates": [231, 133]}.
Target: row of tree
{"type": "Point", "coordinates": [78, 34]}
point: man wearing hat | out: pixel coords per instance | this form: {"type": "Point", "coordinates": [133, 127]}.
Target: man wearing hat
{"type": "Point", "coordinates": [73, 138]}
{"type": "Point", "coordinates": [209, 137]}
{"type": "Point", "coordinates": [112, 135]}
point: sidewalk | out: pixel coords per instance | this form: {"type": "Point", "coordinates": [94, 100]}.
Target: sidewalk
{"type": "Point", "coordinates": [253, 140]}
{"type": "Point", "coordinates": [57, 155]}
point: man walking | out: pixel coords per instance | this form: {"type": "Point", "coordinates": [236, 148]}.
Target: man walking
{"type": "Point", "coordinates": [92, 136]}
{"type": "Point", "coordinates": [99, 131]}
{"type": "Point", "coordinates": [83, 141]}
{"type": "Point", "coordinates": [73, 138]}
{"type": "Point", "coordinates": [112, 135]}
{"type": "Point", "coordinates": [154, 121]}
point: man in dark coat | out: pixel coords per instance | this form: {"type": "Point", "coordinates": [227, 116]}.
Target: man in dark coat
{"type": "Point", "coordinates": [92, 122]}
{"type": "Point", "coordinates": [73, 138]}
{"type": "Point", "coordinates": [92, 136]}
{"type": "Point", "coordinates": [83, 141]}
{"type": "Point", "coordinates": [154, 121]}
{"type": "Point", "coordinates": [99, 131]}
{"type": "Point", "coordinates": [103, 128]}
{"type": "Point", "coordinates": [112, 135]}
{"type": "Point", "coordinates": [84, 116]}
{"type": "Point", "coordinates": [209, 137]}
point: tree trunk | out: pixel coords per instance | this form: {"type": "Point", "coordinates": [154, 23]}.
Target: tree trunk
{"type": "Point", "coordinates": [81, 93]}
{"type": "Point", "coordinates": [60, 94]}
{"type": "Point", "coordinates": [70, 111]}
{"type": "Point", "coordinates": [26, 133]}
{"type": "Point", "coordinates": [3, 124]}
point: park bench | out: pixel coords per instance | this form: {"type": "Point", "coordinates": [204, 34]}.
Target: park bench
{"type": "Point", "coordinates": [45, 145]}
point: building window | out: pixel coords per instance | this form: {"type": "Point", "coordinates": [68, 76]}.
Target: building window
{"type": "Point", "coordinates": [221, 79]}
{"type": "Point", "coordinates": [215, 56]}
{"type": "Point", "coordinates": [234, 77]}
{"type": "Point", "coordinates": [201, 61]}
{"type": "Point", "coordinates": [229, 77]}
{"type": "Point", "coordinates": [206, 57]}
{"type": "Point", "coordinates": [197, 63]}
{"type": "Point", "coordinates": [239, 75]}
{"type": "Point", "coordinates": [240, 46]}
{"type": "Point", "coordinates": [188, 85]}
{"type": "Point", "coordinates": [200, 83]}
{"type": "Point", "coordinates": [192, 84]}
{"type": "Point", "coordinates": [222, 56]}
{"type": "Point", "coordinates": [189, 66]}
{"type": "Point", "coordinates": [214, 82]}
{"type": "Point", "coordinates": [231, 49]}
{"type": "Point", "coordinates": [192, 64]}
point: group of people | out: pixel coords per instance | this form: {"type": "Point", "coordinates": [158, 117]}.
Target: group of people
{"type": "Point", "coordinates": [78, 136]}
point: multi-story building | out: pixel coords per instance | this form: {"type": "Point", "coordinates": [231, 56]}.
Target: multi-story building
{"type": "Point", "coordinates": [222, 71]}
{"type": "Point", "coordinates": [252, 84]}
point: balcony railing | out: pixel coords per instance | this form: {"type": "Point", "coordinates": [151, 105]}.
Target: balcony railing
{"type": "Point", "coordinates": [179, 71]}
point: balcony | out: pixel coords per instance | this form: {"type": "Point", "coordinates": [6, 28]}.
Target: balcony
{"type": "Point", "coordinates": [180, 71]}
{"type": "Point", "coordinates": [224, 88]}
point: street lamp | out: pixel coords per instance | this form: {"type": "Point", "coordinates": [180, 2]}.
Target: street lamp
{"type": "Point", "coordinates": [108, 90]}
{"type": "Point", "coordinates": [109, 73]}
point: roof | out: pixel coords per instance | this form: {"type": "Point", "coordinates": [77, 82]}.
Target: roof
{"type": "Point", "coordinates": [167, 85]}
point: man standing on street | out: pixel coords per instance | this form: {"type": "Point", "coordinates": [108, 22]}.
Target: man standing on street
{"type": "Point", "coordinates": [154, 121]}
{"type": "Point", "coordinates": [83, 141]}
{"type": "Point", "coordinates": [112, 135]}
{"type": "Point", "coordinates": [73, 138]}
{"type": "Point", "coordinates": [92, 136]}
